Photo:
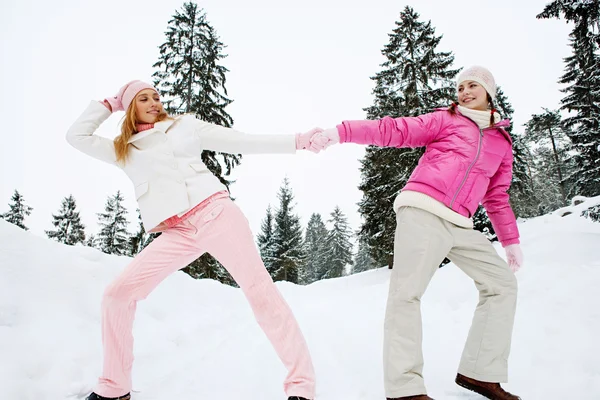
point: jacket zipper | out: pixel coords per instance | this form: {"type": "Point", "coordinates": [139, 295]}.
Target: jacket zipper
{"type": "Point", "coordinates": [471, 165]}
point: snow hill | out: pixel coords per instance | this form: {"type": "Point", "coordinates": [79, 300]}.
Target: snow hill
{"type": "Point", "coordinates": [197, 339]}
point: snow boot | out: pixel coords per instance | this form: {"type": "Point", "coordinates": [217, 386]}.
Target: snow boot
{"type": "Point", "coordinates": [488, 390]}
{"type": "Point", "coordinates": [95, 396]}
{"type": "Point", "coordinates": [415, 397]}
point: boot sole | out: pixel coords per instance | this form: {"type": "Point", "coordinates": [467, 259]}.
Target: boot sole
{"type": "Point", "coordinates": [475, 390]}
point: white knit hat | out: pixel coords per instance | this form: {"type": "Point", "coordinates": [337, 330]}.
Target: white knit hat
{"type": "Point", "coordinates": [480, 75]}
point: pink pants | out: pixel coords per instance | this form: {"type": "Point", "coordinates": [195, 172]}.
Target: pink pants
{"type": "Point", "coordinates": [219, 228]}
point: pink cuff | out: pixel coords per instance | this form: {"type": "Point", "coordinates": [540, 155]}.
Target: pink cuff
{"type": "Point", "coordinates": [342, 132]}
{"type": "Point", "coordinates": [510, 241]}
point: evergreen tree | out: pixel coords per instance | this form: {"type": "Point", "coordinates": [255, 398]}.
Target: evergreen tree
{"type": "Point", "coordinates": [315, 247]}
{"type": "Point", "coordinates": [582, 75]}
{"type": "Point", "coordinates": [137, 241]}
{"type": "Point", "coordinates": [288, 252]}
{"type": "Point", "coordinates": [416, 78]}
{"type": "Point", "coordinates": [547, 133]}
{"type": "Point", "coordinates": [90, 241]}
{"type": "Point", "coordinates": [482, 223]}
{"type": "Point", "coordinates": [113, 237]}
{"type": "Point", "coordinates": [522, 196]}
{"type": "Point", "coordinates": [363, 260]}
{"type": "Point", "coordinates": [69, 229]}
{"type": "Point", "coordinates": [18, 211]}
{"type": "Point", "coordinates": [191, 80]}
{"type": "Point", "coordinates": [206, 267]}
{"type": "Point", "coordinates": [338, 252]}
{"type": "Point", "coordinates": [265, 239]}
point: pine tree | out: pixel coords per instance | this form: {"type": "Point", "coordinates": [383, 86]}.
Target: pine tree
{"type": "Point", "coordinates": [113, 237]}
{"type": "Point", "coordinates": [191, 80]}
{"type": "Point", "coordinates": [482, 223]}
{"type": "Point", "coordinates": [582, 75]}
{"type": "Point", "coordinates": [288, 252]}
{"type": "Point", "coordinates": [415, 79]}
{"type": "Point", "coordinates": [69, 229]}
{"type": "Point", "coordinates": [206, 267]}
{"type": "Point", "coordinates": [315, 247]}
{"type": "Point", "coordinates": [18, 211]}
{"type": "Point", "coordinates": [547, 133]}
{"type": "Point", "coordinates": [265, 238]}
{"type": "Point", "coordinates": [522, 195]}
{"type": "Point", "coordinates": [136, 241]}
{"type": "Point", "coordinates": [363, 260]}
{"type": "Point", "coordinates": [90, 241]}
{"type": "Point", "coordinates": [338, 252]}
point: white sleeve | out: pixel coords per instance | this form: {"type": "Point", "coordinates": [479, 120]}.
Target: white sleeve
{"type": "Point", "coordinates": [227, 140]}
{"type": "Point", "coordinates": [81, 134]}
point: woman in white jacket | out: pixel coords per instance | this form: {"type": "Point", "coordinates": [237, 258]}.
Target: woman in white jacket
{"type": "Point", "coordinates": [178, 196]}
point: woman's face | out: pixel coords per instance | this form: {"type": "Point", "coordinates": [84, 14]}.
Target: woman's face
{"type": "Point", "coordinates": [147, 106]}
{"type": "Point", "coordinates": [472, 95]}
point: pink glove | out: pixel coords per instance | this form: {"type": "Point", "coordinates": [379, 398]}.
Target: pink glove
{"type": "Point", "coordinates": [332, 136]}
{"type": "Point", "coordinates": [514, 257]}
{"type": "Point", "coordinates": [304, 141]}
{"type": "Point", "coordinates": [115, 101]}
{"type": "Point", "coordinates": [326, 138]}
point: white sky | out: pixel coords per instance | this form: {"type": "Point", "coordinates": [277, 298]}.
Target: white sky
{"type": "Point", "coordinates": [292, 67]}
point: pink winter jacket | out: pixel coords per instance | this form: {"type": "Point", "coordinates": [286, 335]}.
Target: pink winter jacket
{"type": "Point", "coordinates": [463, 165]}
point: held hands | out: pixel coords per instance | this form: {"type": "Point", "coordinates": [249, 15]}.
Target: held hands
{"type": "Point", "coordinates": [317, 139]}
{"type": "Point", "coordinates": [514, 257]}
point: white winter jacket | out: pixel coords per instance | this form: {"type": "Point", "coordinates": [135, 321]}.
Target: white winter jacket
{"type": "Point", "coordinates": [165, 162]}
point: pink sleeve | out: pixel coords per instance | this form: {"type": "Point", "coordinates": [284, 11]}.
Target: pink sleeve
{"type": "Point", "coordinates": [497, 205]}
{"type": "Point", "coordinates": [392, 132]}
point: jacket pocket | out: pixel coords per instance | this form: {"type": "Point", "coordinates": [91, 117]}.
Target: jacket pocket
{"type": "Point", "coordinates": [199, 168]}
{"type": "Point", "coordinates": [141, 189]}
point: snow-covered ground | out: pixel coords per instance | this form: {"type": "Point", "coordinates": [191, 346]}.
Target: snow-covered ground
{"type": "Point", "coordinates": [197, 339]}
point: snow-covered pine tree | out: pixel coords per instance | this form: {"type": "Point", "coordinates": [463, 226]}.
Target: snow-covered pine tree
{"type": "Point", "coordinates": [338, 253]}
{"type": "Point", "coordinates": [522, 196]}
{"type": "Point", "coordinates": [315, 247]}
{"type": "Point", "coordinates": [90, 241]}
{"type": "Point", "coordinates": [113, 237]}
{"type": "Point", "coordinates": [137, 240]}
{"type": "Point", "coordinates": [18, 210]}
{"type": "Point", "coordinates": [69, 229]}
{"type": "Point", "coordinates": [416, 78]}
{"type": "Point", "coordinates": [191, 79]}
{"type": "Point", "coordinates": [547, 133]}
{"type": "Point", "coordinates": [582, 75]}
{"type": "Point", "coordinates": [363, 260]}
{"type": "Point", "coordinates": [265, 238]}
{"type": "Point", "coordinates": [207, 267]}
{"type": "Point", "coordinates": [288, 246]}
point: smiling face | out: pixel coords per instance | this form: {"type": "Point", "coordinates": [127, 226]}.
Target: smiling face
{"type": "Point", "coordinates": [147, 106]}
{"type": "Point", "coordinates": [472, 95]}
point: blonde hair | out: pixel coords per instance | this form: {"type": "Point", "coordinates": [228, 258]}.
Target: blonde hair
{"type": "Point", "coordinates": [128, 129]}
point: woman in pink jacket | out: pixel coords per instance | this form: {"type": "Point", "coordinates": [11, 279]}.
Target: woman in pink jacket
{"type": "Point", "coordinates": [468, 161]}
{"type": "Point", "coordinates": [178, 196]}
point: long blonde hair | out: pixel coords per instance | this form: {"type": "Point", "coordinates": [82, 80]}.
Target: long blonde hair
{"type": "Point", "coordinates": [128, 129]}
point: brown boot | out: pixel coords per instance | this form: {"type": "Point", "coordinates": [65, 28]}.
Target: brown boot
{"type": "Point", "coordinates": [417, 397]}
{"type": "Point", "coordinates": [486, 389]}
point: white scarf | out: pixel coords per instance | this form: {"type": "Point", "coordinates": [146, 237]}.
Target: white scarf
{"type": "Point", "coordinates": [482, 118]}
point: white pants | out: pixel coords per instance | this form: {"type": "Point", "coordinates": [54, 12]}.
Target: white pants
{"type": "Point", "coordinates": [422, 241]}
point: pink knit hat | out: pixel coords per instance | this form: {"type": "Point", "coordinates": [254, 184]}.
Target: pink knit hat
{"type": "Point", "coordinates": [480, 75]}
{"type": "Point", "coordinates": [122, 100]}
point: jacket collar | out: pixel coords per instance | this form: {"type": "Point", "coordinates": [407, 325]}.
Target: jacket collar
{"type": "Point", "coordinates": [499, 126]}
{"type": "Point", "coordinates": [159, 127]}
